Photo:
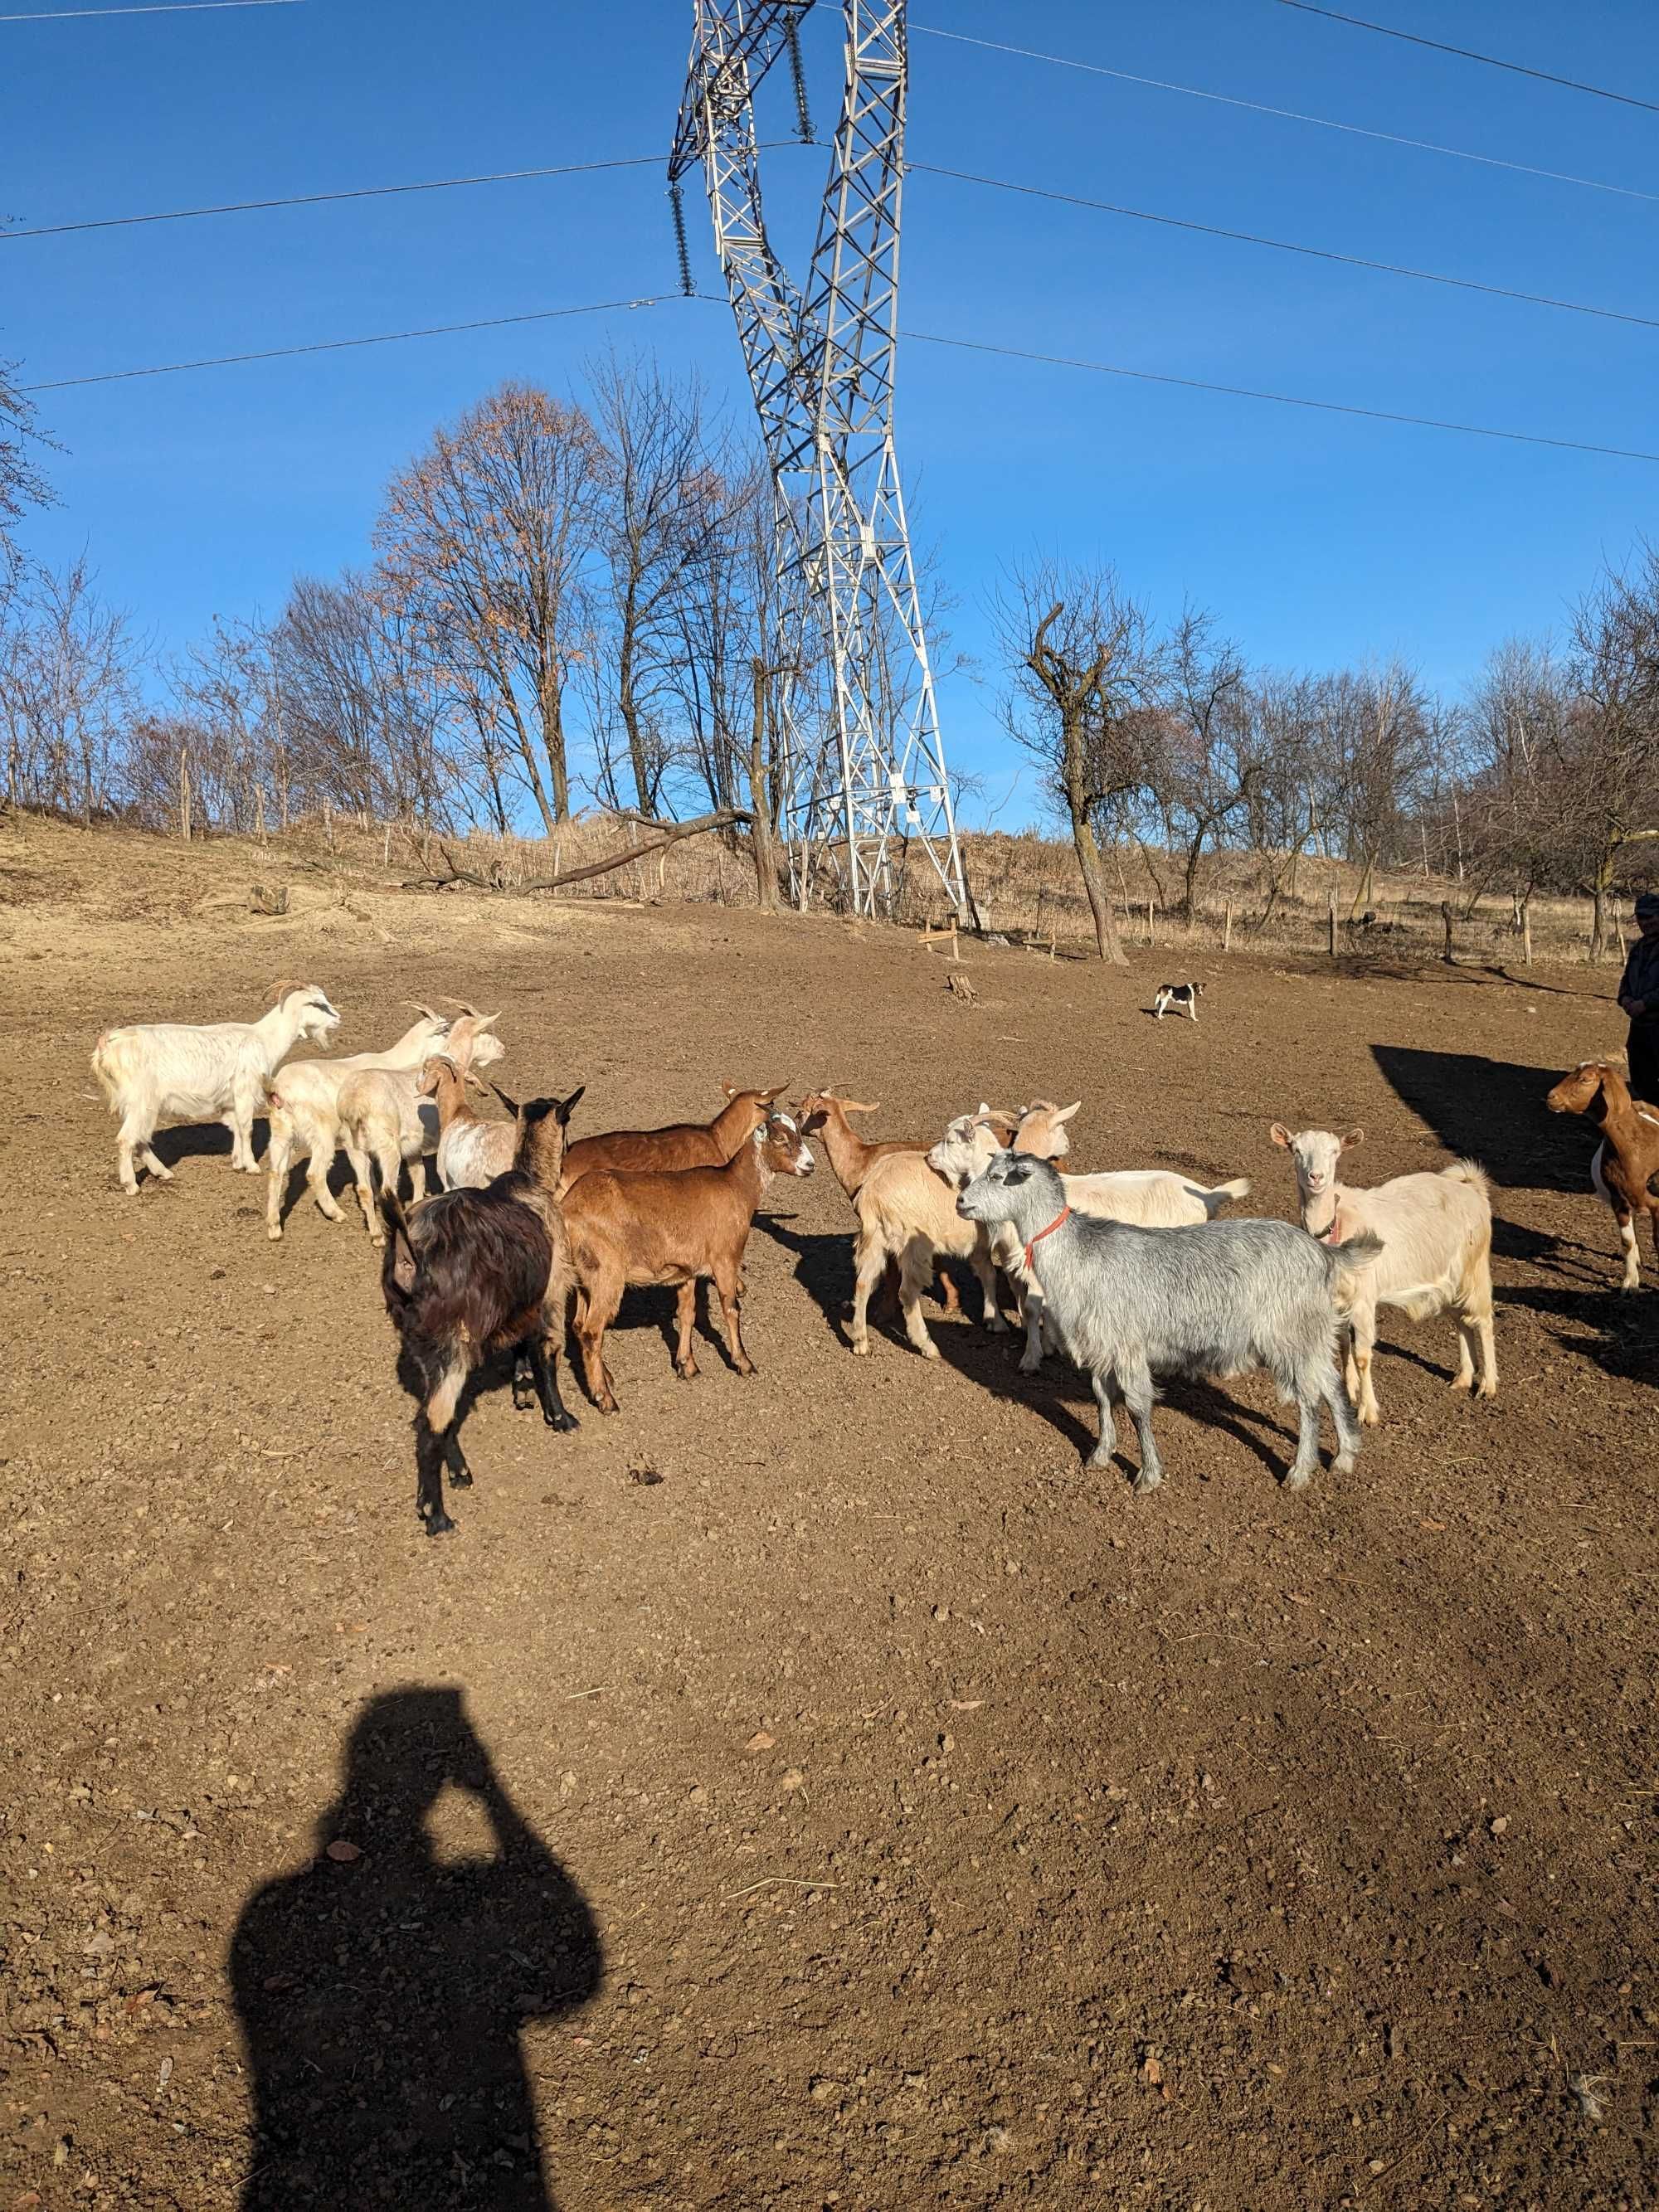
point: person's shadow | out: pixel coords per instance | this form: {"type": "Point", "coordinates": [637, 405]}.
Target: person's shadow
{"type": "Point", "coordinates": [382, 1991]}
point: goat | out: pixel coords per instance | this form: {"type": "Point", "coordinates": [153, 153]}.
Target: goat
{"type": "Point", "coordinates": [1151, 1197]}
{"type": "Point", "coordinates": [906, 1213]}
{"type": "Point", "coordinates": [851, 1159]}
{"type": "Point", "coordinates": [385, 1117]}
{"type": "Point", "coordinates": [1214, 1298]}
{"type": "Point", "coordinates": [157, 1072]}
{"type": "Point", "coordinates": [473, 1273]}
{"type": "Point", "coordinates": [303, 1103]}
{"type": "Point", "coordinates": [472, 1151]}
{"type": "Point", "coordinates": [680, 1144]}
{"type": "Point", "coordinates": [1436, 1235]}
{"type": "Point", "coordinates": [1626, 1161]}
{"type": "Point", "coordinates": [675, 1226]}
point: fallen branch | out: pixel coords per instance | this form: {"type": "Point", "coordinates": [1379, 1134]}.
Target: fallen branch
{"type": "Point", "coordinates": [668, 833]}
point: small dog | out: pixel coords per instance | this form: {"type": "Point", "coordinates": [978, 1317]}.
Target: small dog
{"type": "Point", "coordinates": [1178, 995]}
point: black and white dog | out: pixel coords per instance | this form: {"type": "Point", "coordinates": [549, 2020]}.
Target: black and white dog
{"type": "Point", "coordinates": [1178, 996]}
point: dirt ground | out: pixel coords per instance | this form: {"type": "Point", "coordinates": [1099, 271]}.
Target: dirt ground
{"type": "Point", "coordinates": [814, 1791]}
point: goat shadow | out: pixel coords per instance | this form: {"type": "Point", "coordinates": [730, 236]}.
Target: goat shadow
{"type": "Point", "coordinates": [1061, 1395]}
{"type": "Point", "coordinates": [205, 1140]}
{"type": "Point", "coordinates": [382, 1988]}
{"type": "Point", "coordinates": [1616, 1329]}
{"type": "Point", "coordinates": [1492, 1111]}
{"type": "Point", "coordinates": [824, 1268]}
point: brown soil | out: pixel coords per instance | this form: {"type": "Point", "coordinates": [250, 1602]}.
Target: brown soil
{"type": "Point", "coordinates": [814, 1791]}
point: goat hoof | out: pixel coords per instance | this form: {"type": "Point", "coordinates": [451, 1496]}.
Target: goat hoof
{"type": "Point", "coordinates": [460, 1478]}
{"type": "Point", "coordinates": [1144, 1482]}
{"type": "Point", "coordinates": [1298, 1478]}
{"type": "Point", "coordinates": [1343, 1463]}
{"type": "Point", "coordinates": [862, 1349]}
{"type": "Point", "coordinates": [1029, 1366]}
{"type": "Point", "coordinates": [439, 1524]}
{"type": "Point", "coordinates": [563, 1421]}
{"type": "Point", "coordinates": [686, 1370]}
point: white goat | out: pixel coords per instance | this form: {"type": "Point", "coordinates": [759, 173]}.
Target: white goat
{"type": "Point", "coordinates": [303, 1100]}
{"type": "Point", "coordinates": [1149, 1198]}
{"type": "Point", "coordinates": [386, 1119]}
{"type": "Point", "coordinates": [1435, 1258]}
{"type": "Point", "coordinates": [175, 1072]}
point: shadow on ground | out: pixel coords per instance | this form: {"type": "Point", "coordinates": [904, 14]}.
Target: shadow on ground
{"type": "Point", "coordinates": [382, 1988]}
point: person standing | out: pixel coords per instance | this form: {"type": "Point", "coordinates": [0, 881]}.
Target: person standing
{"type": "Point", "coordinates": [1639, 997]}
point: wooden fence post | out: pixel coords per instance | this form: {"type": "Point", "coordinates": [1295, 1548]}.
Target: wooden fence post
{"type": "Point", "coordinates": [184, 792]}
{"type": "Point", "coordinates": [1446, 917]}
{"type": "Point", "coordinates": [1526, 934]}
{"type": "Point", "coordinates": [1149, 921]}
{"type": "Point", "coordinates": [1330, 923]}
{"type": "Point", "coordinates": [1227, 929]}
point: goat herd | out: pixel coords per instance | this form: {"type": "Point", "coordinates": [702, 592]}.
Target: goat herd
{"type": "Point", "coordinates": [1129, 1275]}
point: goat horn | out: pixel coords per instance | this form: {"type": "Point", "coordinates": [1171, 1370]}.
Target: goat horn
{"type": "Point", "coordinates": [431, 1013]}
{"type": "Point", "coordinates": [280, 991]}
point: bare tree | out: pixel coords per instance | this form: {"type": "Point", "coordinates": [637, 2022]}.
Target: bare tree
{"type": "Point", "coordinates": [484, 543]}
{"type": "Point", "coordinates": [1609, 789]}
{"type": "Point", "coordinates": [1078, 651]}
{"type": "Point", "coordinates": [659, 493]}
{"type": "Point", "coordinates": [729, 674]}
{"type": "Point", "coordinates": [22, 484]}
{"type": "Point", "coordinates": [1193, 765]}
{"type": "Point", "coordinates": [68, 688]}
{"type": "Point", "coordinates": [358, 706]}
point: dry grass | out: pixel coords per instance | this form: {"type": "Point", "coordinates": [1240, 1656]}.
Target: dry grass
{"type": "Point", "coordinates": [1026, 887]}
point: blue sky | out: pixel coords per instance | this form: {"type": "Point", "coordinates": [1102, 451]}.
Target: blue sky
{"type": "Point", "coordinates": [1313, 538]}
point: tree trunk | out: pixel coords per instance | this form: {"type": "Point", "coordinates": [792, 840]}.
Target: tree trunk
{"type": "Point", "coordinates": [551, 704]}
{"type": "Point", "coordinates": [1094, 882]}
{"type": "Point", "coordinates": [763, 837]}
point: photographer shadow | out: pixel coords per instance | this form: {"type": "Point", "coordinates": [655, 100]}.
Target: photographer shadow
{"type": "Point", "coordinates": [382, 1989]}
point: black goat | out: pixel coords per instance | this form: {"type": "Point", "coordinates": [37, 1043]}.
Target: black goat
{"type": "Point", "coordinates": [473, 1273]}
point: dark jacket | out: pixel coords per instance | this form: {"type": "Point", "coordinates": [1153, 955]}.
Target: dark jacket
{"type": "Point", "coordinates": [1641, 977]}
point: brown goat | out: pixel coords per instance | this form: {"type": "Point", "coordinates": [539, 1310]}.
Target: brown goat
{"type": "Point", "coordinates": [680, 1144]}
{"type": "Point", "coordinates": [473, 1273]}
{"type": "Point", "coordinates": [1626, 1161]}
{"type": "Point", "coordinates": [851, 1159]}
{"type": "Point", "coordinates": [675, 1227]}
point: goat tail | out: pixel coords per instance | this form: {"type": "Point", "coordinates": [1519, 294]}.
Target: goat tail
{"type": "Point", "coordinates": [1470, 1172]}
{"type": "Point", "coordinates": [1238, 1188]}
{"type": "Point", "coordinates": [104, 1070]}
{"type": "Point", "coordinates": [399, 1265]}
{"type": "Point", "coordinates": [1354, 1253]}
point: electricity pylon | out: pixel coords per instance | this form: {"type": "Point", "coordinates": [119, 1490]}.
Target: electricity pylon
{"type": "Point", "coordinates": [861, 797]}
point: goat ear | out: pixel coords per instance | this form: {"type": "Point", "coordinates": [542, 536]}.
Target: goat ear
{"type": "Point", "coordinates": [776, 1091]}
{"type": "Point", "coordinates": [511, 1104]}
{"type": "Point", "coordinates": [486, 1022]}
{"type": "Point", "coordinates": [1065, 1113]}
{"type": "Point", "coordinates": [730, 1089]}
{"type": "Point", "coordinates": [1280, 1135]}
{"type": "Point", "coordinates": [1353, 1137]}
{"type": "Point", "coordinates": [567, 1107]}
{"type": "Point", "coordinates": [859, 1106]}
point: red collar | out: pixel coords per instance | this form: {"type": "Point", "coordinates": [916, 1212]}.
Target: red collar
{"type": "Point", "coordinates": [1065, 1214]}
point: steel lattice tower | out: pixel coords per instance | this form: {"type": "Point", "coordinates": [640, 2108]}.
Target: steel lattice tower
{"type": "Point", "coordinates": [821, 366]}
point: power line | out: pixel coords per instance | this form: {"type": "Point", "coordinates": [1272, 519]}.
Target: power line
{"type": "Point", "coordinates": [318, 199]}
{"type": "Point", "coordinates": [918, 337]}
{"type": "Point", "coordinates": [1281, 398]}
{"type": "Point", "coordinates": [1468, 54]}
{"type": "Point", "coordinates": [342, 345]}
{"type": "Point", "coordinates": [1287, 246]}
{"type": "Point", "coordinates": [155, 8]}
{"type": "Point", "coordinates": [1287, 114]}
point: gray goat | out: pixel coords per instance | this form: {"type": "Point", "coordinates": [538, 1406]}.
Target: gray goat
{"type": "Point", "coordinates": [1213, 1299]}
